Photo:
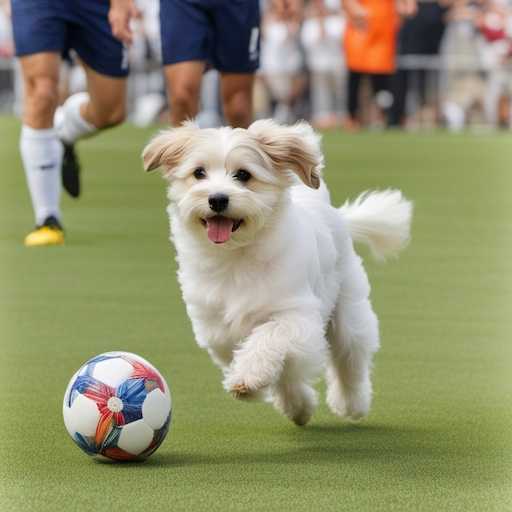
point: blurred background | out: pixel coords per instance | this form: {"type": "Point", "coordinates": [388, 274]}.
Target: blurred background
{"type": "Point", "coordinates": [452, 68]}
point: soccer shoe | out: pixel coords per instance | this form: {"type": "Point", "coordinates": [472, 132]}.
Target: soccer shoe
{"type": "Point", "coordinates": [50, 232]}
{"type": "Point", "coordinates": [70, 171]}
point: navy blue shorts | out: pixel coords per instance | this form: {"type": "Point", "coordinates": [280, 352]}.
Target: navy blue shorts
{"type": "Point", "coordinates": [223, 33]}
{"type": "Point", "coordinates": [61, 25]}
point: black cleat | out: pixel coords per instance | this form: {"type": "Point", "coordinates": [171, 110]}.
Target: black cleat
{"type": "Point", "coordinates": [71, 171]}
{"type": "Point", "coordinates": [52, 222]}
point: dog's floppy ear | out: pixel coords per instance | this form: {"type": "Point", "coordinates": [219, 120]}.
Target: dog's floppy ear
{"type": "Point", "coordinates": [291, 148]}
{"type": "Point", "coordinates": [167, 148]}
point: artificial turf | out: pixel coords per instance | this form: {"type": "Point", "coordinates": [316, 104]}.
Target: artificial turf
{"type": "Point", "coordinates": [439, 435]}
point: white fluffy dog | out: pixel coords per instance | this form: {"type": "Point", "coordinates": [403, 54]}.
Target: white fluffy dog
{"type": "Point", "coordinates": [270, 278]}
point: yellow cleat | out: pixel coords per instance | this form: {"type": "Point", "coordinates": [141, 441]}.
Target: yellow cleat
{"type": "Point", "coordinates": [50, 233]}
{"type": "Point", "coordinates": [44, 236]}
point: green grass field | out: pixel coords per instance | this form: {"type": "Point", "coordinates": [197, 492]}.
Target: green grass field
{"type": "Point", "coordinates": [440, 433]}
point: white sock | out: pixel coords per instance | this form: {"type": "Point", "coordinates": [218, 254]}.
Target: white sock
{"type": "Point", "coordinates": [41, 153]}
{"type": "Point", "coordinates": [69, 123]}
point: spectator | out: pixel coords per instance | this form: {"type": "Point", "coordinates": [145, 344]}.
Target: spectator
{"type": "Point", "coordinates": [464, 80]}
{"type": "Point", "coordinates": [370, 48]}
{"type": "Point", "coordinates": [419, 42]}
{"type": "Point", "coordinates": [304, 68]}
{"type": "Point", "coordinates": [282, 61]}
{"type": "Point", "coordinates": [146, 90]}
{"type": "Point", "coordinates": [322, 34]}
{"type": "Point", "coordinates": [495, 25]}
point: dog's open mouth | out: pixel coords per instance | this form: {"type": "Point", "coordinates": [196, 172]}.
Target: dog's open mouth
{"type": "Point", "coordinates": [219, 228]}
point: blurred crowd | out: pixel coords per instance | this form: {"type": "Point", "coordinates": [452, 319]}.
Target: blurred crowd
{"type": "Point", "coordinates": [339, 64]}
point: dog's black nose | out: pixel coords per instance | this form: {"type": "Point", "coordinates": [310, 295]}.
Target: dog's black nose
{"type": "Point", "coordinates": [218, 202]}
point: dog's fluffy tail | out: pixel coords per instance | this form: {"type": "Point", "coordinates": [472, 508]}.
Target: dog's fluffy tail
{"type": "Point", "coordinates": [381, 220]}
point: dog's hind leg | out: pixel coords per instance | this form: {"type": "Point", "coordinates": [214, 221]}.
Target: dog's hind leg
{"type": "Point", "coordinates": [293, 394]}
{"type": "Point", "coordinates": [353, 339]}
{"type": "Point", "coordinates": [295, 399]}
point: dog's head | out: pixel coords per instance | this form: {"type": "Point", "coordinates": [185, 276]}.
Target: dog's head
{"type": "Point", "coordinates": [227, 184]}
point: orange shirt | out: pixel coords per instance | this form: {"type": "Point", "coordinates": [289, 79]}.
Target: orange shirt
{"type": "Point", "coordinates": [372, 49]}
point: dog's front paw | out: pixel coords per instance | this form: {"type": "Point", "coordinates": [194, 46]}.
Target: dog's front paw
{"type": "Point", "coordinates": [240, 391]}
{"type": "Point", "coordinates": [250, 375]}
{"type": "Point", "coordinates": [238, 387]}
{"type": "Point", "coordinates": [242, 388]}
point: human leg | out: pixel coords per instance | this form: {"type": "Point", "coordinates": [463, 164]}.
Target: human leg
{"type": "Point", "coordinates": [236, 56]}
{"type": "Point", "coordinates": [41, 151]}
{"type": "Point", "coordinates": [353, 85]}
{"type": "Point", "coordinates": [40, 74]}
{"type": "Point", "coordinates": [399, 85]}
{"type": "Point", "coordinates": [237, 89]}
{"type": "Point", "coordinates": [183, 87]}
{"type": "Point", "coordinates": [323, 91]}
{"type": "Point", "coordinates": [104, 61]}
{"type": "Point", "coordinates": [85, 113]}
{"type": "Point", "coordinates": [40, 37]}
{"type": "Point", "coordinates": [102, 106]}
{"type": "Point", "coordinates": [186, 33]}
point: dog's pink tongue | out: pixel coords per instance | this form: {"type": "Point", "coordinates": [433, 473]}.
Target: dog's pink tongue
{"type": "Point", "coordinates": [219, 229]}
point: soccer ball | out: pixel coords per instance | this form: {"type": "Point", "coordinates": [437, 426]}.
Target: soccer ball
{"type": "Point", "coordinates": [117, 405]}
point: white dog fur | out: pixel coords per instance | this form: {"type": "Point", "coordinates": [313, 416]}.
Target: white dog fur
{"type": "Point", "coordinates": [282, 296]}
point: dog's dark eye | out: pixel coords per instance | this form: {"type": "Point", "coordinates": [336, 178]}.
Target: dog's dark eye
{"type": "Point", "coordinates": [200, 173]}
{"type": "Point", "coordinates": [242, 175]}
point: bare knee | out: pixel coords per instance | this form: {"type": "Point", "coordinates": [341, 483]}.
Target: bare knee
{"type": "Point", "coordinates": [103, 118]}
{"type": "Point", "coordinates": [238, 110]}
{"type": "Point", "coordinates": [113, 118]}
{"type": "Point", "coordinates": [184, 101]}
{"type": "Point", "coordinates": [41, 100]}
